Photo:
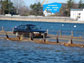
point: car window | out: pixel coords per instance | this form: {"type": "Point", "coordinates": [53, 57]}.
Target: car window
{"type": "Point", "coordinates": [34, 27]}
{"type": "Point", "coordinates": [22, 27]}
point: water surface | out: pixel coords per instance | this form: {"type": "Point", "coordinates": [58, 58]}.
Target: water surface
{"type": "Point", "coordinates": [29, 52]}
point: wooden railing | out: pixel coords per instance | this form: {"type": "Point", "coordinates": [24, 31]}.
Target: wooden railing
{"type": "Point", "coordinates": [58, 37]}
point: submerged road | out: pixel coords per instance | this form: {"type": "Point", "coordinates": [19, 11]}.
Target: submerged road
{"type": "Point", "coordinates": [50, 39]}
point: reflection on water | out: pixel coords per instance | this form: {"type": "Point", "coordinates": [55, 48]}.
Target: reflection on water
{"type": "Point", "coordinates": [28, 52]}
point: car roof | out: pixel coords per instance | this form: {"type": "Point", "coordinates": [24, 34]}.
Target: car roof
{"type": "Point", "coordinates": [27, 25]}
{"type": "Point", "coordinates": [30, 25]}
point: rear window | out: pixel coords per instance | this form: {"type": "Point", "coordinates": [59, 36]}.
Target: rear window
{"type": "Point", "coordinates": [22, 27]}
{"type": "Point", "coordinates": [34, 27]}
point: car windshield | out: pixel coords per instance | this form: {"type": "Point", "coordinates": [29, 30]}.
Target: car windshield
{"type": "Point", "coordinates": [22, 27]}
{"type": "Point", "coordinates": [34, 27]}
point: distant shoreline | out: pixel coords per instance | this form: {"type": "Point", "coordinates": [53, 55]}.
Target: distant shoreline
{"type": "Point", "coordinates": [41, 19]}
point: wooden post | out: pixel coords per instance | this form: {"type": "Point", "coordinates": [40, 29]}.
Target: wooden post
{"type": "Point", "coordinates": [2, 29]}
{"type": "Point", "coordinates": [31, 36]}
{"type": "Point", "coordinates": [57, 40]}
{"type": "Point", "coordinates": [47, 31]}
{"type": "Point", "coordinates": [71, 41]}
{"type": "Point", "coordinates": [21, 37]}
{"type": "Point", "coordinates": [44, 37]}
{"type": "Point", "coordinates": [7, 36]}
{"type": "Point", "coordinates": [72, 33]}
{"type": "Point", "coordinates": [60, 32]}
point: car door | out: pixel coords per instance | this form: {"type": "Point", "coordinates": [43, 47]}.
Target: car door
{"type": "Point", "coordinates": [22, 28]}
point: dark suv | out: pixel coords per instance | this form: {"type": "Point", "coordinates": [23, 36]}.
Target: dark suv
{"type": "Point", "coordinates": [28, 29]}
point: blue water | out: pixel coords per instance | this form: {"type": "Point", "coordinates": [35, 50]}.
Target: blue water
{"type": "Point", "coordinates": [8, 25]}
{"type": "Point", "coordinates": [29, 52]}
{"type": "Point", "coordinates": [78, 29]}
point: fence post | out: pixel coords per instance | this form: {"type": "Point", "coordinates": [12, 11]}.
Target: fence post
{"type": "Point", "coordinates": [7, 36]}
{"type": "Point", "coordinates": [47, 31]}
{"type": "Point", "coordinates": [31, 36]}
{"type": "Point", "coordinates": [44, 37]}
{"type": "Point", "coordinates": [71, 41]}
{"type": "Point", "coordinates": [60, 32]}
{"type": "Point", "coordinates": [57, 40]}
{"type": "Point", "coordinates": [21, 37]}
{"type": "Point", "coordinates": [72, 33]}
{"type": "Point", "coordinates": [2, 29]}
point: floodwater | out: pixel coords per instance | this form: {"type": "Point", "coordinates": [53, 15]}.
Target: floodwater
{"type": "Point", "coordinates": [29, 52]}
{"type": "Point", "coordinates": [9, 24]}
{"type": "Point", "coordinates": [78, 29]}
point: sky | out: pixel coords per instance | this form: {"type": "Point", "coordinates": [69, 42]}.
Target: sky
{"type": "Point", "coordinates": [29, 2]}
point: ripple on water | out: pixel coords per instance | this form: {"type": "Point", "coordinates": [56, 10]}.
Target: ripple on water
{"type": "Point", "coordinates": [28, 52]}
